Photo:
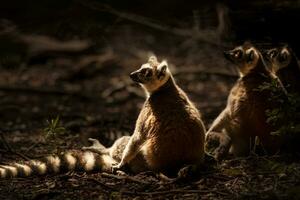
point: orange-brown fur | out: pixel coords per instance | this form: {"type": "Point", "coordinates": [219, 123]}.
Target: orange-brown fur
{"type": "Point", "coordinates": [175, 134]}
{"type": "Point", "coordinates": [244, 117]}
{"type": "Point", "coordinates": [284, 64]}
{"type": "Point", "coordinates": [169, 132]}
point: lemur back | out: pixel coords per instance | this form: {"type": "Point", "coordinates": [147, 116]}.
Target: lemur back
{"type": "Point", "coordinates": [174, 130]}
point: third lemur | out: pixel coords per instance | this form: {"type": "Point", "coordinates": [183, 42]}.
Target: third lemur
{"type": "Point", "coordinates": [284, 64]}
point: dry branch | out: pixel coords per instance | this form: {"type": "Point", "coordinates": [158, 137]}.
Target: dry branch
{"type": "Point", "coordinates": [195, 70]}
{"type": "Point", "coordinates": [44, 90]}
{"type": "Point", "coordinates": [210, 36]}
{"type": "Point", "coordinates": [10, 149]}
{"type": "Point", "coordinates": [183, 190]}
{"type": "Point", "coordinates": [124, 177]}
{"type": "Point", "coordinates": [6, 144]}
{"type": "Point", "coordinates": [41, 43]}
{"type": "Point", "coordinates": [82, 68]}
{"type": "Point", "coordinates": [100, 183]}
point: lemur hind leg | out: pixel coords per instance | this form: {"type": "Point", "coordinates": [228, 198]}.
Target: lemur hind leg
{"type": "Point", "coordinates": [96, 147]}
{"type": "Point", "coordinates": [217, 138]}
{"type": "Point", "coordinates": [132, 148]}
{"type": "Point", "coordinates": [136, 164]}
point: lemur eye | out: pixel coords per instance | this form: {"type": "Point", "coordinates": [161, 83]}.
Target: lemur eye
{"type": "Point", "coordinates": [238, 54]}
{"type": "Point", "coordinates": [146, 72]}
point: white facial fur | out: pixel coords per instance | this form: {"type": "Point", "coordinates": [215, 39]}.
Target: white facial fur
{"type": "Point", "coordinates": [250, 61]}
{"type": "Point", "coordinates": [282, 62]}
{"type": "Point", "coordinates": [156, 82]}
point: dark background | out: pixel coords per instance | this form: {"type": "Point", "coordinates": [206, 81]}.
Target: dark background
{"type": "Point", "coordinates": [265, 20]}
{"type": "Point", "coordinates": [72, 59]}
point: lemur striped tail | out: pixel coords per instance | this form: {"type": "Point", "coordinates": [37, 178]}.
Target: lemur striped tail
{"type": "Point", "coordinates": [69, 161]}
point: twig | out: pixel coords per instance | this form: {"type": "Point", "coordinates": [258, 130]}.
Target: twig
{"type": "Point", "coordinates": [135, 18]}
{"type": "Point", "coordinates": [53, 91]}
{"type": "Point", "coordinates": [134, 91]}
{"type": "Point", "coordinates": [181, 190]}
{"type": "Point", "coordinates": [195, 70]}
{"type": "Point", "coordinates": [100, 183]}
{"type": "Point", "coordinates": [199, 35]}
{"type": "Point", "coordinates": [9, 148]}
{"type": "Point", "coordinates": [130, 178]}
{"type": "Point", "coordinates": [82, 69]}
{"type": "Point", "coordinates": [173, 191]}
{"type": "Point", "coordinates": [110, 91]}
{"type": "Point", "coordinates": [32, 146]}
{"type": "Point", "coordinates": [21, 155]}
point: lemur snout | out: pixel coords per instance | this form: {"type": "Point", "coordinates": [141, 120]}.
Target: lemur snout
{"type": "Point", "coordinates": [134, 76]}
{"type": "Point", "coordinates": [227, 54]}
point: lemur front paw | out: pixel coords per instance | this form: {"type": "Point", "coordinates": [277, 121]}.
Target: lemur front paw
{"type": "Point", "coordinates": [217, 144]}
{"type": "Point", "coordinates": [117, 167]}
{"type": "Point", "coordinates": [212, 141]}
{"type": "Point", "coordinates": [221, 152]}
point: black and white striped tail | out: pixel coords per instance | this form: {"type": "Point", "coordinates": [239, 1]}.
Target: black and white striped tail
{"type": "Point", "coordinates": [69, 161]}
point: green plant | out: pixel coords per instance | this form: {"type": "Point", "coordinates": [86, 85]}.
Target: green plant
{"type": "Point", "coordinates": [54, 128]}
{"type": "Point", "coordinates": [284, 116]}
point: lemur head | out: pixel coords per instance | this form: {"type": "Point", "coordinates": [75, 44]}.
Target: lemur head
{"type": "Point", "coordinates": [246, 58]}
{"type": "Point", "coordinates": [279, 58]}
{"type": "Point", "coordinates": [152, 75]}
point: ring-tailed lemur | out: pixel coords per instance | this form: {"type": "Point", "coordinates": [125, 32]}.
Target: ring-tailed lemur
{"type": "Point", "coordinates": [284, 64]}
{"type": "Point", "coordinates": [169, 132]}
{"type": "Point", "coordinates": [168, 135]}
{"type": "Point", "coordinates": [244, 117]}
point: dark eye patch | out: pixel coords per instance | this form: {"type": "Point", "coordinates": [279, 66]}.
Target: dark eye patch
{"type": "Point", "coordinates": [146, 72]}
{"type": "Point", "coordinates": [143, 71]}
{"type": "Point", "coordinates": [238, 54]}
{"type": "Point", "coordinates": [283, 57]}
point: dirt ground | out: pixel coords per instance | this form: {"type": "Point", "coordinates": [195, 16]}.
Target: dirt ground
{"type": "Point", "coordinates": [105, 107]}
{"type": "Point", "coordinates": [78, 69]}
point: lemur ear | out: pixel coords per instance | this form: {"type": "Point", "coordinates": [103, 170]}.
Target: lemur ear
{"type": "Point", "coordinates": [162, 68]}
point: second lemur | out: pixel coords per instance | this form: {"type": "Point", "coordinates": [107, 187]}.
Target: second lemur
{"type": "Point", "coordinates": [244, 118]}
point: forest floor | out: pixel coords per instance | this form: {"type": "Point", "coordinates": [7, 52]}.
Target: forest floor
{"type": "Point", "coordinates": [92, 94]}
{"type": "Point", "coordinates": [105, 107]}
